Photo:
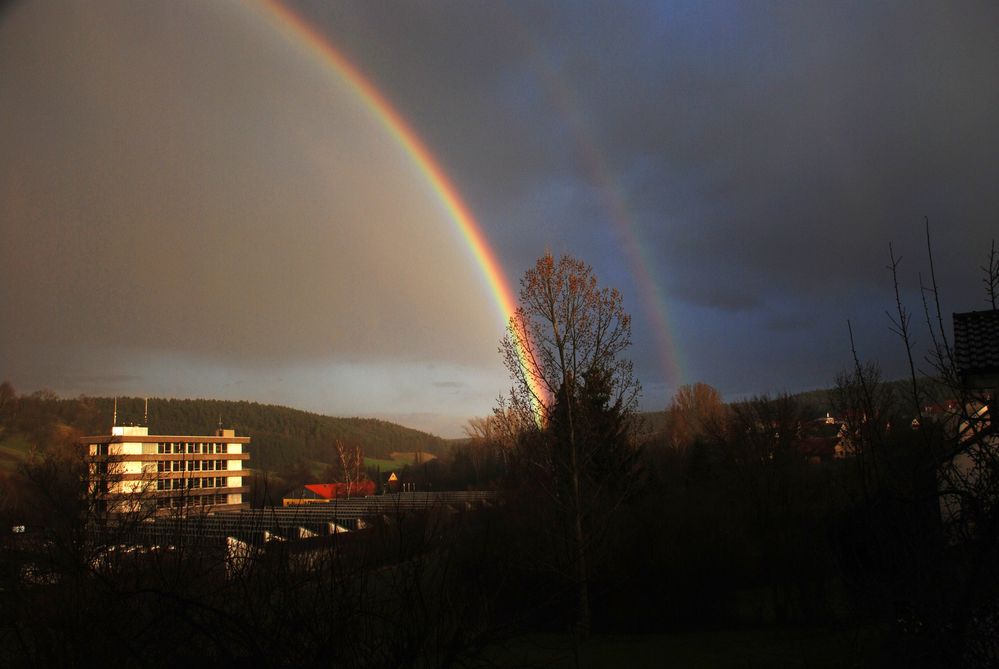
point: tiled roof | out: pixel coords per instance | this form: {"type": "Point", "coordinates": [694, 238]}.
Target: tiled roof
{"type": "Point", "coordinates": [976, 342]}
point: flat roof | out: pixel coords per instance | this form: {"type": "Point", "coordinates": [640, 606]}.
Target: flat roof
{"type": "Point", "coordinates": [160, 438]}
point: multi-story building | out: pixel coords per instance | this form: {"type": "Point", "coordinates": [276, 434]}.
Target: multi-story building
{"type": "Point", "coordinates": [131, 469]}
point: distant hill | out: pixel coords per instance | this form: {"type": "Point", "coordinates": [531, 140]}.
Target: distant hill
{"type": "Point", "coordinates": [819, 402]}
{"type": "Point", "coordinates": [282, 437]}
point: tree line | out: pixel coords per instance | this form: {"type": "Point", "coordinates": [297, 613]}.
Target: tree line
{"type": "Point", "coordinates": [282, 437]}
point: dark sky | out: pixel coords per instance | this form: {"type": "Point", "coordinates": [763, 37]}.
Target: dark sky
{"type": "Point", "coordinates": [192, 205]}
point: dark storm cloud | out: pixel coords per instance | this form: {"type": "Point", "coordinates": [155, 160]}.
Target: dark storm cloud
{"type": "Point", "coordinates": [767, 152]}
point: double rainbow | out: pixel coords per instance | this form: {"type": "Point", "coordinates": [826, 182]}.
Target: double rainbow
{"type": "Point", "coordinates": [298, 31]}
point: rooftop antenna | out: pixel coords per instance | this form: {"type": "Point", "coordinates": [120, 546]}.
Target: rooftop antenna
{"type": "Point", "coordinates": [145, 414]}
{"type": "Point", "coordinates": [114, 419]}
{"type": "Point", "coordinates": [220, 421]}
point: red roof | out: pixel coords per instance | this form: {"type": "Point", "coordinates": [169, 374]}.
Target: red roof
{"type": "Point", "coordinates": [337, 490]}
{"type": "Point", "coordinates": [324, 490]}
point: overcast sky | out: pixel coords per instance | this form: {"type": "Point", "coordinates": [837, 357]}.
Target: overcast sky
{"type": "Point", "coordinates": [191, 205]}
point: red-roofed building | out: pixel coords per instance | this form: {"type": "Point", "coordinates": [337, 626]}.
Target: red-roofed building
{"type": "Point", "coordinates": [322, 493]}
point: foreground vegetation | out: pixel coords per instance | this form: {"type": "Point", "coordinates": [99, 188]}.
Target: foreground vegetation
{"type": "Point", "coordinates": [730, 550]}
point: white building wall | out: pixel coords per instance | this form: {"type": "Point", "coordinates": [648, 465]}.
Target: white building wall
{"type": "Point", "coordinates": [130, 431]}
{"type": "Point", "coordinates": [130, 448]}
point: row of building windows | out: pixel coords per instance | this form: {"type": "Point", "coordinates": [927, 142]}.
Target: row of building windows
{"type": "Point", "coordinates": [191, 447]}
{"type": "Point", "coordinates": [194, 500]}
{"type": "Point", "coordinates": [190, 465]}
{"type": "Point", "coordinates": [181, 484]}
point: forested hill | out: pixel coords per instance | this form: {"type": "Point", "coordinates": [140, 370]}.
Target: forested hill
{"type": "Point", "coordinates": [282, 437]}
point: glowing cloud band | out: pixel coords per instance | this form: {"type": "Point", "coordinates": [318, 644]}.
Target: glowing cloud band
{"type": "Point", "coordinates": [299, 31]}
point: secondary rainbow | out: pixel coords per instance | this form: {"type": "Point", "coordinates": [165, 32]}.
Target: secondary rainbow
{"type": "Point", "coordinates": [613, 199]}
{"type": "Point", "coordinates": [299, 31]}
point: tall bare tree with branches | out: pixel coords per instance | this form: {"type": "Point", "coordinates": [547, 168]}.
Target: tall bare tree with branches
{"type": "Point", "coordinates": [991, 278]}
{"type": "Point", "coordinates": [950, 461]}
{"type": "Point", "coordinates": [572, 395]}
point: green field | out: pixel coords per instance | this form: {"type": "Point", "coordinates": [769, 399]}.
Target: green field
{"type": "Point", "coordinates": [13, 451]}
{"type": "Point", "coordinates": [397, 462]}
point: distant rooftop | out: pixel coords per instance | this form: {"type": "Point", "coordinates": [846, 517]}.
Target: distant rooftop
{"type": "Point", "coordinates": [976, 347]}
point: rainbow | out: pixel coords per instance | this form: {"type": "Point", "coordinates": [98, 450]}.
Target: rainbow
{"type": "Point", "coordinates": [613, 200]}
{"type": "Point", "coordinates": [297, 30]}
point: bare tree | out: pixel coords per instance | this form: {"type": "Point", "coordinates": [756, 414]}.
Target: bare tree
{"type": "Point", "coordinates": [929, 469]}
{"type": "Point", "coordinates": [991, 278]}
{"type": "Point", "coordinates": [351, 465]}
{"type": "Point", "coordinates": [695, 411]}
{"type": "Point", "coordinates": [571, 397]}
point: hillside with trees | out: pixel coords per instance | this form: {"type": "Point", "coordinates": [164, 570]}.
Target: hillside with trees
{"type": "Point", "coordinates": [283, 438]}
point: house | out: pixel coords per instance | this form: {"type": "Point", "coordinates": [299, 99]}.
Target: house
{"type": "Point", "coordinates": [966, 479]}
{"type": "Point", "coordinates": [324, 493]}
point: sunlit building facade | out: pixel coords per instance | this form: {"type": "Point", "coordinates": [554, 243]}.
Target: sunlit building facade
{"type": "Point", "coordinates": [132, 470]}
